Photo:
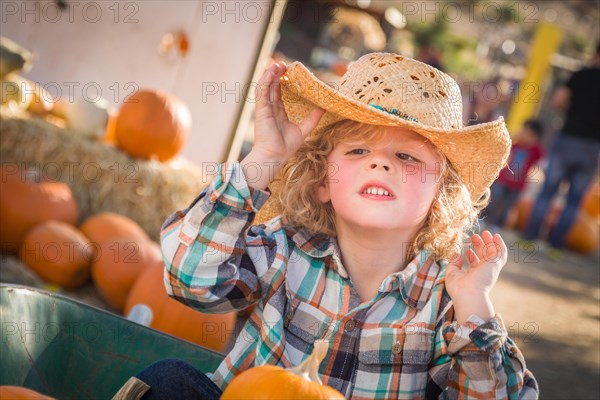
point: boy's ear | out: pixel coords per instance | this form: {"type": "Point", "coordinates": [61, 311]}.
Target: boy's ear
{"type": "Point", "coordinates": [323, 192]}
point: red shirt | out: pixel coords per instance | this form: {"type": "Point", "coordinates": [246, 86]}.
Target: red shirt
{"type": "Point", "coordinates": [520, 162]}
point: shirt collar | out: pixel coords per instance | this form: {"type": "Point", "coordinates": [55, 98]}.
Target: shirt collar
{"type": "Point", "coordinates": [414, 282]}
{"type": "Point", "coordinates": [320, 246]}
{"type": "Point", "coordinates": [418, 278]}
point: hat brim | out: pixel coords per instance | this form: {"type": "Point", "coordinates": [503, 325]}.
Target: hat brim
{"type": "Point", "coordinates": [477, 152]}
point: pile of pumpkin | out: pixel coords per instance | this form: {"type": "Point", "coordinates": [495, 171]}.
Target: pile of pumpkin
{"type": "Point", "coordinates": [584, 234]}
{"type": "Point", "coordinates": [149, 123]}
{"type": "Point", "coordinates": [39, 224]}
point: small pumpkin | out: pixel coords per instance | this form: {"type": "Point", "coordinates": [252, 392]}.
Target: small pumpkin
{"type": "Point", "coordinates": [273, 382]}
{"type": "Point", "coordinates": [523, 212]}
{"type": "Point", "coordinates": [166, 314]}
{"type": "Point", "coordinates": [584, 235]}
{"type": "Point", "coordinates": [107, 226]}
{"type": "Point", "coordinates": [152, 124]}
{"type": "Point", "coordinates": [591, 200]}
{"type": "Point", "coordinates": [27, 200]}
{"type": "Point", "coordinates": [119, 263]}
{"type": "Point", "coordinates": [21, 393]}
{"type": "Point", "coordinates": [59, 253]}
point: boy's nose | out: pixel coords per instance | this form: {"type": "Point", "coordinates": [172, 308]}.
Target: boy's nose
{"type": "Point", "coordinates": [380, 159]}
{"type": "Point", "coordinates": [380, 164]}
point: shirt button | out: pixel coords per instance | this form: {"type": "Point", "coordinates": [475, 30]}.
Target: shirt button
{"type": "Point", "coordinates": [397, 348]}
{"type": "Point", "coordinates": [289, 317]}
{"type": "Point", "coordinates": [349, 325]}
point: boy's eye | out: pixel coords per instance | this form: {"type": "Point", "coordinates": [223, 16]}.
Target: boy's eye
{"type": "Point", "coordinates": [357, 151]}
{"type": "Point", "coordinates": [406, 157]}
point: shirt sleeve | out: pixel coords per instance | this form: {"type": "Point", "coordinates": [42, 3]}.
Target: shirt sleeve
{"type": "Point", "coordinates": [477, 359]}
{"type": "Point", "coordinates": [215, 262]}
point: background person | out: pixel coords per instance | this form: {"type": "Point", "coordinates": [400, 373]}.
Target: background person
{"type": "Point", "coordinates": [526, 151]}
{"type": "Point", "coordinates": [574, 154]}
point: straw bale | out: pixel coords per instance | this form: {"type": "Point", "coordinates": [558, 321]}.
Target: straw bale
{"type": "Point", "coordinates": [102, 177]}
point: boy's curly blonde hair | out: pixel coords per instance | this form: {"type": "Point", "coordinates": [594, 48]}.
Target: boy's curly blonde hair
{"type": "Point", "coordinates": [452, 214]}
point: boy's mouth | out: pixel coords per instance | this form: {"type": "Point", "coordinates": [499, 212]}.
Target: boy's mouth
{"type": "Point", "coordinates": [376, 189]}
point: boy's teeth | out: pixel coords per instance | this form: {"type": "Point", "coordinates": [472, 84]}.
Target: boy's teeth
{"type": "Point", "coordinates": [377, 191]}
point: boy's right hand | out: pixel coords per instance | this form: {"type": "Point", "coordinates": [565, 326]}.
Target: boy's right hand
{"type": "Point", "coordinates": [275, 137]}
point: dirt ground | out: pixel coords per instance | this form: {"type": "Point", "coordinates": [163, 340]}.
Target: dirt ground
{"type": "Point", "coordinates": [551, 309]}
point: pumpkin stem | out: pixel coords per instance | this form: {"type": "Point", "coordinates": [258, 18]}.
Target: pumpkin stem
{"type": "Point", "coordinates": [309, 368]}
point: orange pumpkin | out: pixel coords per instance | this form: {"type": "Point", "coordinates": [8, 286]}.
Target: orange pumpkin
{"type": "Point", "coordinates": [591, 200]}
{"type": "Point", "coordinates": [584, 235]}
{"type": "Point", "coordinates": [119, 263]}
{"type": "Point", "coordinates": [58, 253]}
{"type": "Point", "coordinates": [21, 393]}
{"type": "Point", "coordinates": [168, 315]}
{"type": "Point", "coordinates": [272, 382]}
{"type": "Point", "coordinates": [523, 212]}
{"type": "Point", "coordinates": [104, 227]}
{"type": "Point", "coordinates": [26, 200]}
{"type": "Point", "coordinates": [152, 124]}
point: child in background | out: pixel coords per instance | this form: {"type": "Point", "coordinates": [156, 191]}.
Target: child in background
{"type": "Point", "coordinates": [524, 154]}
{"type": "Point", "coordinates": [379, 185]}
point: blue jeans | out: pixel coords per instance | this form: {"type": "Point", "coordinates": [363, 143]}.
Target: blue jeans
{"type": "Point", "coordinates": [574, 159]}
{"type": "Point", "coordinates": [502, 199]}
{"type": "Point", "coordinates": [177, 380]}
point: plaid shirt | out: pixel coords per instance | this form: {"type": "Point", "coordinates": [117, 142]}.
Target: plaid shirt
{"type": "Point", "coordinates": [403, 343]}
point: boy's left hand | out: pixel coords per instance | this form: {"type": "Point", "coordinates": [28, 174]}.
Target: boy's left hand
{"type": "Point", "coordinates": [473, 283]}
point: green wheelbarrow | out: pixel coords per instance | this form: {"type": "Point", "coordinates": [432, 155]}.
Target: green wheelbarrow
{"type": "Point", "coordinates": [70, 350]}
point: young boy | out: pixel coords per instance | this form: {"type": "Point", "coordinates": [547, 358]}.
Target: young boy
{"type": "Point", "coordinates": [524, 155]}
{"type": "Point", "coordinates": [380, 185]}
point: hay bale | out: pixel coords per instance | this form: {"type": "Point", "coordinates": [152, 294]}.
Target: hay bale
{"type": "Point", "coordinates": [102, 177]}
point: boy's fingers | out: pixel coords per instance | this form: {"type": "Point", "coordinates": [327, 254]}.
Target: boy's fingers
{"type": "Point", "coordinates": [478, 245]}
{"type": "Point", "coordinates": [264, 84]}
{"type": "Point", "coordinates": [490, 248]}
{"type": "Point", "coordinates": [499, 242]}
{"type": "Point", "coordinates": [472, 257]}
{"type": "Point", "coordinates": [274, 83]}
{"type": "Point", "coordinates": [277, 101]}
{"type": "Point", "coordinates": [486, 236]}
{"type": "Point", "coordinates": [278, 109]}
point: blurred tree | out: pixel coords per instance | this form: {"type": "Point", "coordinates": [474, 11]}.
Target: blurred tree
{"type": "Point", "coordinates": [439, 46]}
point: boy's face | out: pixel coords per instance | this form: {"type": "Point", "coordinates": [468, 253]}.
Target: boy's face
{"type": "Point", "coordinates": [387, 184]}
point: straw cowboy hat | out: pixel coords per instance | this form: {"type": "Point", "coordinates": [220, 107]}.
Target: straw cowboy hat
{"type": "Point", "coordinates": [391, 90]}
